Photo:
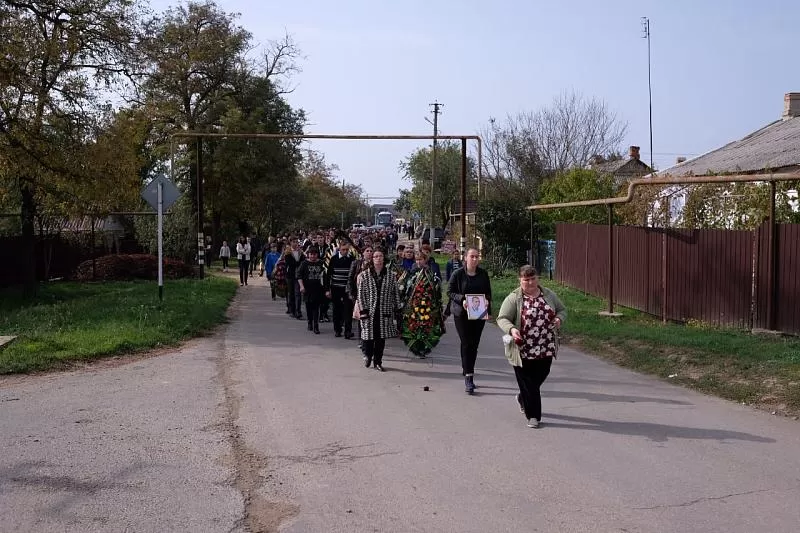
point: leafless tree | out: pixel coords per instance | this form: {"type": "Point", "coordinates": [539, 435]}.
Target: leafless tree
{"type": "Point", "coordinates": [281, 62]}
{"type": "Point", "coordinates": [530, 146]}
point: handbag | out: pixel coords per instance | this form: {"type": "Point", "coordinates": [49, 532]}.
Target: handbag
{"type": "Point", "coordinates": [511, 350]}
{"type": "Point", "coordinates": [357, 310]}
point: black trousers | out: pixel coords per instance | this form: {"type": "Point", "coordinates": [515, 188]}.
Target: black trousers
{"type": "Point", "coordinates": [243, 263]}
{"type": "Point", "coordinates": [342, 311]}
{"type": "Point", "coordinates": [373, 350]}
{"type": "Point", "coordinates": [292, 303]}
{"type": "Point", "coordinates": [469, 331]}
{"type": "Point", "coordinates": [224, 262]}
{"type": "Point", "coordinates": [324, 305]}
{"type": "Point", "coordinates": [312, 309]}
{"type": "Point", "coordinates": [530, 377]}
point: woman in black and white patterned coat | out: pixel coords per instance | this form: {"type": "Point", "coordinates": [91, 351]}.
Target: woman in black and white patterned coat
{"type": "Point", "coordinates": [379, 303]}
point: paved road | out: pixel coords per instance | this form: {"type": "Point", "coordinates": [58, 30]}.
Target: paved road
{"type": "Point", "coordinates": [269, 427]}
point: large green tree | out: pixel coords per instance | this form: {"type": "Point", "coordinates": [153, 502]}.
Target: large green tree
{"type": "Point", "coordinates": [538, 157]}
{"type": "Point", "coordinates": [329, 202]}
{"type": "Point", "coordinates": [200, 78]}
{"type": "Point", "coordinates": [418, 169]}
{"type": "Point", "coordinates": [574, 185]}
{"type": "Point", "coordinates": [253, 179]}
{"type": "Point", "coordinates": [58, 59]}
{"type": "Point", "coordinates": [194, 58]}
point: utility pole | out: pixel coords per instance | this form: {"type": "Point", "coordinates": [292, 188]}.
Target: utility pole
{"type": "Point", "coordinates": [646, 35]}
{"type": "Point", "coordinates": [436, 110]}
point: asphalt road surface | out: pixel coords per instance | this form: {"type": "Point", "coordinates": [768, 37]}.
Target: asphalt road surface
{"type": "Point", "coordinates": [267, 427]}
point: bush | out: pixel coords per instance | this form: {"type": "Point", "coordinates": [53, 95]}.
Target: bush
{"type": "Point", "coordinates": [131, 267]}
{"type": "Point", "coordinates": [498, 260]}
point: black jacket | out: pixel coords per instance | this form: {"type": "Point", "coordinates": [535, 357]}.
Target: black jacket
{"type": "Point", "coordinates": [461, 284]}
{"type": "Point", "coordinates": [292, 265]}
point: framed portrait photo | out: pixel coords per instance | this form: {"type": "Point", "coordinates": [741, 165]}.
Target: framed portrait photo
{"type": "Point", "coordinates": [477, 308]}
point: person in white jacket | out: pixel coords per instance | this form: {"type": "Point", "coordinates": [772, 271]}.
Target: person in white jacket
{"type": "Point", "coordinates": [243, 255]}
{"type": "Point", "coordinates": [225, 255]}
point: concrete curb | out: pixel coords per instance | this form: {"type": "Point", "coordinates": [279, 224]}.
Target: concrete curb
{"type": "Point", "coordinates": [5, 340]}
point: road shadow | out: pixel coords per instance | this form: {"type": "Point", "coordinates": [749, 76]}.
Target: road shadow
{"type": "Point", "coordinates": [72, 490]}
{"type": "Point", "coordinates": [654, 432]}
{"type": "Point", "coordinates": [611, 398]}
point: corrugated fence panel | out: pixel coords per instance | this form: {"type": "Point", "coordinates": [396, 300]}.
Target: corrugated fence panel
{"type": "Point", "coordinates": [788, 303]}
{"type": "Point", "coordinates": [761, 277]}
{"type": "Point", "coordinates": [655, 278]}
{"type": "Point", "coordinates": [679, 282]}
{"type": "Point", "coordinates": [708, 273]}
{"type": "Point", "coordinates": [597, 271]}
{"type": "Point", "coordinates": [571, 254]}
{"type": "Point", "coordinates": [632, 269]}
{"type": "Point", "coordinates": [709, 276]}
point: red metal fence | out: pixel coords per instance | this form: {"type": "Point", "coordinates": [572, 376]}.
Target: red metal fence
{"type": "Point", "coordinates": [716, 276]}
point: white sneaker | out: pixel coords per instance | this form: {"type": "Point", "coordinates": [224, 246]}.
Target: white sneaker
{"type": "Point", "coordinates": [533, 423]}
{"type": "Point", "coordinates": [519, 403]}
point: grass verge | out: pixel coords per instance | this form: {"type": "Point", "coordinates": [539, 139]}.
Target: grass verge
{"type": "Point", "coordinates": [759, 370]}
{"type": "Point", "coordinates": [70, 322]}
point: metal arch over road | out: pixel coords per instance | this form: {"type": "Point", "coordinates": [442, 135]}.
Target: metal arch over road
{"type": "Point", "coordinates": [199, 136]}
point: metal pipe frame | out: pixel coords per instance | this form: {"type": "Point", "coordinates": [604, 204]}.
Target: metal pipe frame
{"type": "Point", "coordinates": [737, 178]}
{"type": "Point", "coordinates": [311, 136]}
{"type": "Point", "coordinates": [281, 136]}
{"type": "Point", "coordinates": [633, 184]}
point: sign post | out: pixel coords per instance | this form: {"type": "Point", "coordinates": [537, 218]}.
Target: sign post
{"type": "Point", "coordinates": [160, 193]}
{"type": "Point", "coordinates": [160, 230]}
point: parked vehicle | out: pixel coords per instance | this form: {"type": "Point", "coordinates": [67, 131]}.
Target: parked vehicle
{"type": "Point", "coordinates": [357, 227]}
{"type": "Point", "coordinates": [438, 237]}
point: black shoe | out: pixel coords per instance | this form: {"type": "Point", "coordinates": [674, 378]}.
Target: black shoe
{"type": "Point", "coordinates": [379, 367]}
{"type": "Point", "coordinates": [316, 330]}
{"type": "Point", "coordinates": [469, 386]}
{"type": "Point", "coordinates": [310, 327]}
{"type": "Point", "coordinates": [288, 312]}
{"type": "Point", "coordinates": [299, 317]}
{"type": "Point", "coordinates": [348, 336]}
{"type": "Point", "coordinates": [367, 361]}
{"type": "Point", "coordinates": [337, 334]}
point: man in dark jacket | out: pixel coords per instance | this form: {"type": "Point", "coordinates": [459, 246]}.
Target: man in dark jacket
{"type": "Point", "coordinates": [311, 278]}
{"type": "Point", "coordinates": [336, 281]}
{"type": "Point", "coordinates": [294, 300]}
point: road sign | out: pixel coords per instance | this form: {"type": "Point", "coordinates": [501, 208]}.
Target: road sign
{"type": "Point", "coordinates": [169, 191]}
{"type": "Point", "coordinates": [160, 193]}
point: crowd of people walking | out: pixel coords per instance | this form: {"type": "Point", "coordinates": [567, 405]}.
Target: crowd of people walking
{"type": "Point", "coordinates": [370, 286]}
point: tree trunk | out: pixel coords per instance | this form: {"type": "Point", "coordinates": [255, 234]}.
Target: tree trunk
{"type": "Point", "coordinates": [28, 250]}
{"type": "Point", "coordinates": [216, 222]}
{"type": "Point", "coordinates": [445, 219]}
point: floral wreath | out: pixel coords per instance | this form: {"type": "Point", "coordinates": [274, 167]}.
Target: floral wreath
{"type": "Point", "coordinates": [422, 320]}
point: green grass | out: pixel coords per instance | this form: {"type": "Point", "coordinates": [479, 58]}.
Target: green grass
{"type": "Point", "coordinates": [69, 322]}
{"type": "Point", "coordinates": [737, 365]}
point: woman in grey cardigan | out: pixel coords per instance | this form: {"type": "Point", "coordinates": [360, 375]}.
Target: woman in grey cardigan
{"type": "Point", "coordinates": [531, 316]}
